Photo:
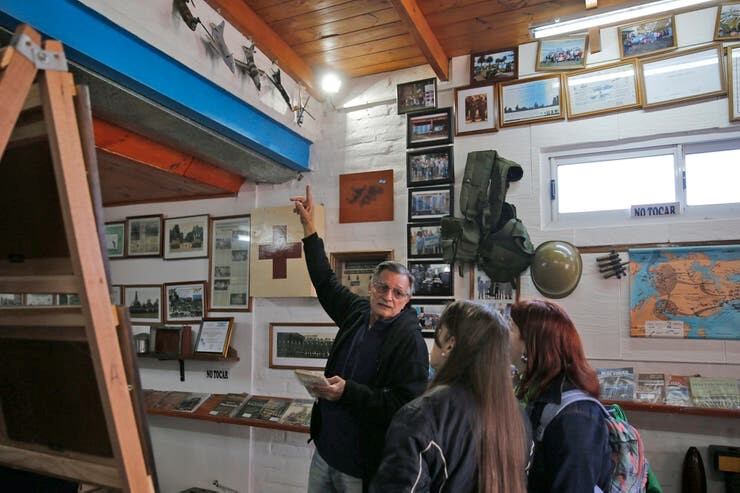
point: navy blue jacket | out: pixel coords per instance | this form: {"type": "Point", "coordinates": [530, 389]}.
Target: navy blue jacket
{"type": "Point", "coordinates": [574, 455]}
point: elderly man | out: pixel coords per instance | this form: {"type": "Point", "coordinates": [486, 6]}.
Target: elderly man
{"type": "Point", "coordinates": [378, 362]}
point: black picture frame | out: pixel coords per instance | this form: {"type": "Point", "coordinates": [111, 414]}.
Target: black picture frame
{"type": "Point", "coordinates": [416, 170]}
{"type": "Point", "coordinates": [429, 128]}
{"type": "Point", "coordinates": [431, 236]}
{"type": "Point", "coordinates": [428, 312]}
{"type": "Point", "coordinates": [491, 66]}
{"type": "Point", "coordinates": [432, 278]}
{"type": "Point", "coordinates": [424, 206]}
{"type": "Point", "coordinates": [416, 95]}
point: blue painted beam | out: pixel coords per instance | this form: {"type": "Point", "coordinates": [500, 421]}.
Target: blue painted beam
{"type": "Point", "coordinates": [100, 45]}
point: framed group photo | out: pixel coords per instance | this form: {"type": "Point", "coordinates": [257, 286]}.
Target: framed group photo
{"type": "Point", "coordinates": [647, 37]}
{"type": "Point", "coordinates": [475, 110]}
{"type": "Point", "coordinates": [355, 269]}
{"type": "Point", "coordinates": [532, 100]}
{"type": "Point", "coordinates": [214, 336]}
{"type": "Point", "coordinates": [429, 312]}
{"type": "Point", "coordinates": [301, 345]}
{"type": "Point", "coordinates": [185, 301]}
{"type": "Point", "coordinates": [564, 53]}
{"type": "Point", "coordinates": [430, 167]}
{"type": "Point", "coordinates": [493, 66]}
{"type": "Point", "coordinates": [429, 128]}
{"type": "Point", "coordinates": [417, 95]}
{"type": "Point", "coordinates": [115, 239]}
{"type": "Point", "coordinates": [144, 236]}
{"type": "Point", "coordinates": [144, 303]}
{"type": "Point", "coordinates": [432, 278]}
{"type": "Point", "coordinates": [727, 26]}
{"type": "Point", "coordinates": [186, 237]}
{"type": "Point", "coordinates": [601, 90]}
{"type": "Point", "coordinates": [424, 240]}
{"type": "Point", "coordinates": [228, 280]}
{"type": "Point", "coordinates": [498, 294]}
{"type": "Point", "coordinates": [430, 203]}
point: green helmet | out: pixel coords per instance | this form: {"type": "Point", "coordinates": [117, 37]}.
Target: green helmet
{"type": "Point", "coordinates": [556, 268]}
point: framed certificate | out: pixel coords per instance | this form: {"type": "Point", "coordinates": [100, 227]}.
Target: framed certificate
{"type": "Point", "coordinates": [605, 89]}
{"type": "Point", "coordinates": [214, 336]}
{"type": "Point", "coordinates": [733, 69]}
{"type": "Point", "coordinates": [229, 264]}
{"type": "Point", "coordinates": [683, 76]}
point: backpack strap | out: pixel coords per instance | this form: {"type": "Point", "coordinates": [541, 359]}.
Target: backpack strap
{"type": "Point", "coordinates": [552, 410]}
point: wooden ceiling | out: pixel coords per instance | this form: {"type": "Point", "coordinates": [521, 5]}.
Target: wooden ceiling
{"type": "Point", "coordinates": [364, 37]}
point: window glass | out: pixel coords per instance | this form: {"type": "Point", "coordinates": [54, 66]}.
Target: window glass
{"type": "Point", "coordinates": [713, 177]}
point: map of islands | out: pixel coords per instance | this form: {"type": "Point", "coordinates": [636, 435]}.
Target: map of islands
{"type": "Point", "coordinates": [690, 292]}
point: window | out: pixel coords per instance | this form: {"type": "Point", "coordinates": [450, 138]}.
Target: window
{"type": "Point", "coordinates": [600, 188]}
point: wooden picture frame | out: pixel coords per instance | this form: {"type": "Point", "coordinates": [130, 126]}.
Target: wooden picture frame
{"type": "Point", "coordinates": [500, 295]}
{"type": "Point", "coordinates": [601, 90]}
{"type": "Point", "coordinates": [562, 53]}
{"type": "Point", "coordinates": [432, 278]}
{"type": "Point", "coordinates": [435, 166]}
{"type": "Point", "coordinates": [429, 128]}
{"type": "Point", "coordinates": [144, 236]}
{"type": "Point", "coordinates": [144, 302]}
{"type": "Point", "coordinates": [228, 274]}
{"type": "Point", "coordinates": [733, 79]}
{"type": "Point", "coordinates": [185, 301]}
{"type": "Point", "coordinates": [475, 110]}
{"type": "Point", "coordinates": [417, 95]}
{"type": "Point", "coordinates": [115, 239]}
{"type": "Point", "coordinates": [304, 345]}
{"type": "Point", "coordinates": [366, 197]}
{"type": "Point", "coordinates": [431, 203]}
{"type": "Point", "coordinates": [186, 237]}
{"type": "Point", "coordinates": [355, 269]}
{"type": "Point", "coordinates": [682, 76]}
{"type": "Point", "coordinates": [214, 336]}
{"type": "Point", "coordinates": [424, 240]}
{"type": "Point", "coordinates": [534, 100]}
{"type": "Point", "coordinates": [428, 311]}
{"type": "Point", "coordinates": [647, 37]}
{"type": "Point", "coordinates": [727, 24]}
{"type": "Point", "coordinates": [488, 67]}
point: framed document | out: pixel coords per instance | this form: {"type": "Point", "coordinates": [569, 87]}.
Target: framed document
{"type": "Point", "coordinates": [475, 110]}
{"type": "Point", "coordinates": [532, 100]}
{"type": "Point", "coordinates": [229, 264]}
{"type": "Point", "coordinates": [733, 68]}
{"type": "Point", "coordinates": [186, 237]}
{"type": "Point", "coordinates": [683, 76]}
{"type": "Point", "coordinates": [214, 336]}
{"type": "Point", "coordinates": [301, 345]}
{"type": "Point", "coordinates": [602, 90]}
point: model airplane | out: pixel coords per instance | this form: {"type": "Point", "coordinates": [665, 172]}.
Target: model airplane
{"type": "Point", "coordinates": [248, 66]}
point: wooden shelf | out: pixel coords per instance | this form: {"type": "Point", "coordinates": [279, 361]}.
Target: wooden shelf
{"type": "Point", "coordinates": [684, 410]}
{"type": "Point", "coordinates": [231, 355]}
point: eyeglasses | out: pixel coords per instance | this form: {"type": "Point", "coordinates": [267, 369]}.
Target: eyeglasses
{"type": "Point", "coordinates": [382, 289]}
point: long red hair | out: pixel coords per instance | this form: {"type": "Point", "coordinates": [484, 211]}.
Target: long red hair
{"type": "Point", "coordinates": [552, 347]}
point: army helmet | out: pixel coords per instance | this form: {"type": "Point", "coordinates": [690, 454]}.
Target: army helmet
{"type": "Point", "coordinates": [556, 268]}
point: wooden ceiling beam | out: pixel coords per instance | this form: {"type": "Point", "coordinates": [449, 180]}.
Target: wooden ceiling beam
{"type": "Point", "coordinates": [134, 147]}
{"type": "Point", "coordinates": [246, 21]}
{"type": "Point", "coordinates": [428, 43]}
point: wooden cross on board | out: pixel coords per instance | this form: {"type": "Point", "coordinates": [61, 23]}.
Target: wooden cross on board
{"type": "Point", "coordinates": [279, 251]}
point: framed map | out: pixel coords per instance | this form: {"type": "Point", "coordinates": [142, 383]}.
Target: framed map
{"type": "Point", "coordinates": [685, 292]}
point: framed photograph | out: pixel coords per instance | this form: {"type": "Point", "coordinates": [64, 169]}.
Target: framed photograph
{"type": "Point", "coordinates": [10, 299]}
{"type": "Point", "coordinates": [40, 299]}
{"type": "Point", "coordinates": [69, 299]}
{"type": "Point", "coordinates": [115, 239]}
{"type": "Point", "coordinates": [355, 269]}
{"type": "Point", "coordinates": [682, 76]}
{"type": "Point", "coordinates": [144, 236]}
{"type": "Point", "coordinates": [228, 278]}
{"type": "Point", "coordinates": [424, 240]}
{"type": "Point", "coordinates": [605, 89]}
{"type": "Point", "coordinates": [429, 312]}
{"type": "Point", "coordinates": [475, 110]}
{"type": "Point", "coordinates": [186, 237]}
{"type": "Point", "coordinates": [493, 66]}
{"type": "Point", "coordinates": [429, 128]}
{"type": "Point", "coordinates": [733, 69]}
{"type": "Point", "coordinates": [417, 95]}
{"type": "Point", "coordinates": [185, 301]}
{"type": "Point", "coordinates": [366, 197]}
{"type": "Point", "coordinates": [430, 203]}
{"type": "Point", "coordinates": [538, 99]}
{"type": "Point", "coordinates": [144, 303]}
{"type": "Point", "coordinates": [214, 336]}
{"type": "Point", "coordinates": [432, 278]}
{"type": "Point", "coordinates": [564, 53]}
{"type": "Point", "coordinates": [434, 166]}
{"type": "Point", "coordinates": [647, 37]}
{"type": "Point", "coordinates": [301, 345]}
{"type": "Point", "coordinates": [116, 294]}
{"type": "Point", "coordinates": [727, 26]}
{"type": "Point", "coordinates": [499, 294]}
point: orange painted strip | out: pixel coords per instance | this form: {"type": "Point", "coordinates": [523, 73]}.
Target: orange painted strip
{"type": "Point", "coordinates": [116, 140]}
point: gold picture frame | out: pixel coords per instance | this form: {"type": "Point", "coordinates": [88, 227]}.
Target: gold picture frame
{"type": "Point", "coordinates": [733, 79]}
{"type": "Point", "coordinates": [647, 37]}
{"type": "Point", "coordinates": [516, 105]}
{"type": "Point", "coordinates": [604, 89]}
{"type": "Point", "coordinates": [562, 53]}
{"type": "Point", "coordinates": [727, 24]}
{"type": "Point", "coordinates": [214, 336]}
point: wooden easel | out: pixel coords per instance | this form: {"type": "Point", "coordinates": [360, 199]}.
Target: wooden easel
{"type": "Point", "coordinates": [69, 392]}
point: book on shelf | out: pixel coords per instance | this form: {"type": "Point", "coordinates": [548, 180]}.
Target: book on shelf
{"type": "Point", "coordinates": [170, 401]}
{"type": "Point", "coordinates": [252, 407]}
{"type": "Point", "coordinates": [715, 392]}
{"type": "Point", "coordinates": [274, 409]}
{"type": "Point", "coordinates": [650, 388]}
{"type": "Point", "coordinates": [617, 383]}
{"type": "Point", "coordinates": [191, 402]}
{"type": "Point", "coordinates": [298, 413]}
{"type": "Point", "coordinates": [677, 390]}
{"type": "Point", "coordinates": [152, 397]}
{"type": "Point", "coordinates": [228, 405]}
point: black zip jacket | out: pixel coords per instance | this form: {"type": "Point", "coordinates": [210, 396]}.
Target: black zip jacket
{"type": "Point", "coordinates": [402, 366]}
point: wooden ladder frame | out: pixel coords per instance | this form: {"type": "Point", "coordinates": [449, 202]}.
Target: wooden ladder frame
{"type": "Point", "coordinates": [95, 321]}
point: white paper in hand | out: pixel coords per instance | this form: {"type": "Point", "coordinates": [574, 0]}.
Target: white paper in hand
{"type": "Point", "coordinates": [311, 378]}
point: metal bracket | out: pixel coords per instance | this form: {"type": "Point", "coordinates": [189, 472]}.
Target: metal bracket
{"type": "Point", "coordinates": [43, 59]}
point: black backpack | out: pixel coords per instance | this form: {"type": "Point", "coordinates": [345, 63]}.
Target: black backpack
{"type": "Point", "coordinates": [488, 234]}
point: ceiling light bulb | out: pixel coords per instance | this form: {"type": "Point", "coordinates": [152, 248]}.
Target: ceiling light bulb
{"type": "Point", "coordinates": [331, 83]}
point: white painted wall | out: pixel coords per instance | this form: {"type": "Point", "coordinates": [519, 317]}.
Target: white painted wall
{"type": "Point", "coordinates": [365, 133]}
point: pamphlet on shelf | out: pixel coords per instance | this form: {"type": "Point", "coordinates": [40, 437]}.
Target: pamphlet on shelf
{"type": "Point", "coordinates": [617, 383]}
{"type": "Point", "coordinates": [311, 378]}
{"type": "Point", "coordinates": [274, 409]}
{"type": "Point", "coordinates": [715, 392]}
{"type": "Point", "coordinates": [191, 402]}
{"type": "Point", "coordinates": [677, 391]}
{"type": "Point", "coordinates": [252, 407]}
{"type": "Point", "coordinates": [650, 388]}
{"type": "Point", "coordinates": [170, 401]}
{"type": "Point", "coordinates": [228, 405]}
{"type": "Point", "coordinates": [299, 413]}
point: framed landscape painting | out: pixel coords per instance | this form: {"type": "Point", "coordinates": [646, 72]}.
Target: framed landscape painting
{"type": "Point", "coordinates": [530, 100]}
{"type": "Point", "coordinates": [566, 53]}
{"type": "Point", "coordinates": [430, 167]}
{"type": "Point", "coordinates": [475, 110]}
{"type": "Point", "coordinates": [417, 95]}
{"type": "Point", "coordinates": [301, 344]}
{"type": "Point", "coordinates": [493, 66]}
{"type": "Point", "coordinates": [647, 37]}
{"type": "Point", "coordinates": [186, 237]}
{"type": "Point", "coordinates": [429, 128]}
